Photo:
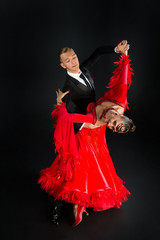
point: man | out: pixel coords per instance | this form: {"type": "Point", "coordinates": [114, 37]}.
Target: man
{"type": "Point", "coordinates": [79, 80]}
{"type": "Point", "coordinates": [82, 91]}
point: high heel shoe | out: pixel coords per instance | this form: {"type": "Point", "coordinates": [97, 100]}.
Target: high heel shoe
{"type": "Point", "coordinates": [80, 211]}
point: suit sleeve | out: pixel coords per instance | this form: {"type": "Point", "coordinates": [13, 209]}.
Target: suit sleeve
{"type": "Point", "coordinates": [70, 105]}
{"type": "Point", "coordinates": [89, 62]}
{"type": "Point", "coordinates": [67, 97]}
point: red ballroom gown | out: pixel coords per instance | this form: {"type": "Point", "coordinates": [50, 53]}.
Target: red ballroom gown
{"type": "Point", "coordinates": [83, 172]}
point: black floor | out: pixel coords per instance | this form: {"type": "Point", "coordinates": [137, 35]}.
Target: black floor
{"type": "Point", "coordinates": [25, 208]}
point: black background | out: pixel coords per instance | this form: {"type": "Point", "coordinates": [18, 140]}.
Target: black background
{"type": "Point", "coordinates": [32, 32]}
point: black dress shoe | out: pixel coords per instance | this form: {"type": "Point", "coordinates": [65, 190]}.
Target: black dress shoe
{"type": "Point", "coordinates": [55, 212]}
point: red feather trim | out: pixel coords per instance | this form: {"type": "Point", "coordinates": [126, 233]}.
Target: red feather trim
{"type": "Point", "coordinates": [56, 109]}
{"type": "Point", "coordinates": [124, 60]}
{"type": "Point", "coordinates": [99, 200]}
{"type": "Point", "coordinates": [118, 84]}
{"type": "Point", "coordinates": [65, 142]}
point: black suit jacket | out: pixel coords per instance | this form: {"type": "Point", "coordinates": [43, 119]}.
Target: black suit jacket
{"type": "Point", "coordinates": [80, 95]}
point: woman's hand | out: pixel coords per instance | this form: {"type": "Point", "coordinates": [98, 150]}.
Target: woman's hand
{"type": "Point", "coordinates": [123, 47]}
{"type": "Point", "coordinates": [60, 95]}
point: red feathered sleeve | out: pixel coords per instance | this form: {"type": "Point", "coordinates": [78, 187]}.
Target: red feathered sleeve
{"type": "Point", "coordinates": [65, 140]}
{"type": "Point", "coordinates": [119, 83]}
{"type": "Point", "coordinates": [60, 112]}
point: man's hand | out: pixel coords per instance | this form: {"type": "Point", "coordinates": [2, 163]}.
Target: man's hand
{"type": "Point", "coordinates": [60, 95]}
{"type": "Point", "coordinates": [122, 47]}
{"type": "Point", "coordinates": [92, 126]}
{"type": "Point", "coordinates": [89, 125]}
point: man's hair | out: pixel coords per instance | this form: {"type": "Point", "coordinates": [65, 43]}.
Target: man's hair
{"type": "Point", "coordinates": [63, 50]}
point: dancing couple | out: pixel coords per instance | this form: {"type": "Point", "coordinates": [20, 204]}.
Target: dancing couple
{"type": "Point", "coordinates": [83, 172]}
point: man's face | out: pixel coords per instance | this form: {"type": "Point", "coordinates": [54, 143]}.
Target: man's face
{"type": "Point", "coordinates": [69, 61]}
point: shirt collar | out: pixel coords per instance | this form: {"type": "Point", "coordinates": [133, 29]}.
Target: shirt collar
{"type": "Point", "coordinates": [74, 75]}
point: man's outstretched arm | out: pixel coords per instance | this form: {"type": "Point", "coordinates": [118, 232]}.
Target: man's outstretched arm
{"type": "Point", "coordinates": [89, 62]}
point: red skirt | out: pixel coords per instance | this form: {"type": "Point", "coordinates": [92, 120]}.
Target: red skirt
{"type": "Point", "coordinates": [94, 182]}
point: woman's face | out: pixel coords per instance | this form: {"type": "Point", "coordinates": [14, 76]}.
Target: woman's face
{"type": "Point", "coordinates": [114, 120]}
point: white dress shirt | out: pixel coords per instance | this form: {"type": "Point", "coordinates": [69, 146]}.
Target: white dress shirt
{"type": "Point", "coordinates": [77, 77]}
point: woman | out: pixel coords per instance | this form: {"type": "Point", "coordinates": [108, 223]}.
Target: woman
{"type": "Point", "coordinates": [83, 172]}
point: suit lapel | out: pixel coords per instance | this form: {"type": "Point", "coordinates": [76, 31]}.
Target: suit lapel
{"type": "Point", "coordinates": [78, 84]}
{"type": "Point", "coordinates": [90, 79]}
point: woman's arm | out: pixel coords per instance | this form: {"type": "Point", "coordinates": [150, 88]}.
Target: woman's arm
{"type": "Point", "coordinates": [78, 118]}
